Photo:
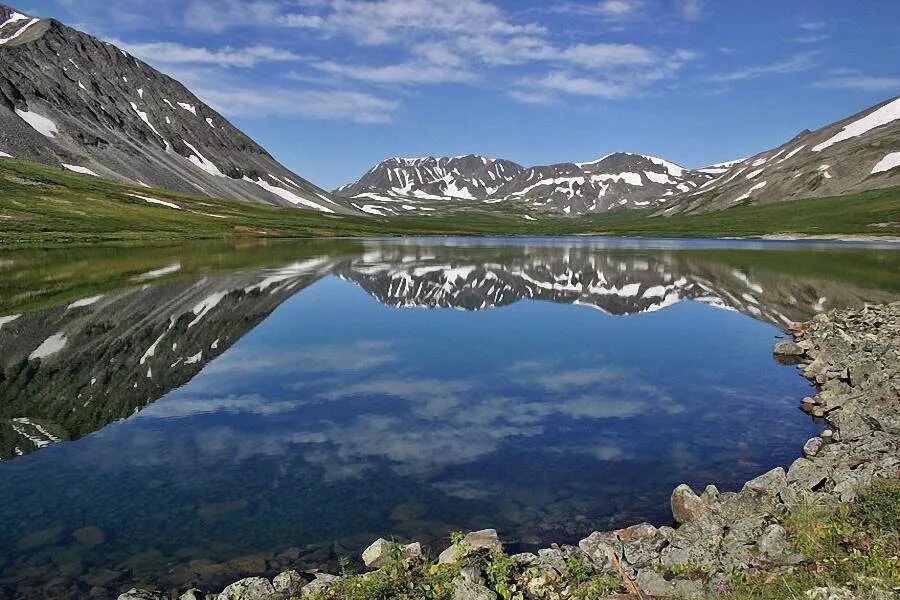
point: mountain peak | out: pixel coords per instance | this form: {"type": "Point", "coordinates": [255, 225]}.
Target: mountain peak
{"type": "Point", "coordinates": [615, 181]}
{"type": "Point", "coordinates": [17, 27]}
{"type": "Point", "coordinates": [70, 100]}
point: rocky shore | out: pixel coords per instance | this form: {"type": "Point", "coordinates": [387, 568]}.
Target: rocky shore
{"type": "Point", "coordinates": [853, 356]}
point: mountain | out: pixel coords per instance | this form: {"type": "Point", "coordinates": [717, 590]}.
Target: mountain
{"type": "Point", "coordinates": [856, 154]}
{"type": "Point", "coordinates": [614, 182]}
{"type": "Point", "coordinates": [70, 100]}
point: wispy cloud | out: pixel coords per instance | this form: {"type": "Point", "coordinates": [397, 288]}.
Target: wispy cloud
{"type": "Point", "coordinates": [812, 25]}
{"type": "Point", "coordinates": [810, 39]}
{"type": "Point", "coordinates": [793, 64]}
{"type": "Point", "coordinates": [174, 53]}
{"type": "Point", "coordinates": [692, 10]}
{"type": "Point", "coordinates": [861, 83]}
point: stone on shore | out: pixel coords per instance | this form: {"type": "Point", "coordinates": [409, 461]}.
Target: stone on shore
{"type": "Point", "coordinates": [813, 446]}
{"type": "Point", "coordinates": [289, 582]}
{"type": "Point", "coordinates": [136, 594]}
{"type": "Point", "coordinates": [483, 540]}
{"type": "Point", "coordinates": [788, 349]}
{"type": "Point", "coordinates": [686, 505]}
{"type": "Point", "coordinates": [251, 588]}
{"type": "Point", "coordinates": [322, 581]}
{"type": "Point", "coordinates": [377, 554]}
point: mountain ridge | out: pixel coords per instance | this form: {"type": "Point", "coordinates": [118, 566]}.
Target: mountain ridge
{"type": "Point", "coordinates": [70, 100]}
{"type": "Point", "coordinates": [619, 180]}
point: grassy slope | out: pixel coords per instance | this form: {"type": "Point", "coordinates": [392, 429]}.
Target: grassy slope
{"type": "Point", "coordinates": [43, 205]}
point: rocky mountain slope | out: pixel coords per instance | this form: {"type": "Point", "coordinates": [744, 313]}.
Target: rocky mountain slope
{"type": "Point", "coordinates": [70, 100]}
{"type": "Point", "coordinates": [617, 181]}
{"type": "Point", "coordinates": [859, 153]}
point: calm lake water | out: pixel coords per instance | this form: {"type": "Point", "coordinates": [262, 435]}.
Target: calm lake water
{"type": "Point", "coordinates": [186, 415]}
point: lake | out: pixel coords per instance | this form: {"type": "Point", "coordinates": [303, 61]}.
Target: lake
{"type": "Point", "coordinates": [178, 415]}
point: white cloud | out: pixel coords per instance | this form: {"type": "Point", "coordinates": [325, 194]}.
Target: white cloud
{"type": "Point", "coordinates": [173, 53]}
{"type": "Point", "coordinates": [792, 64]}
{"type": "Point", "coordinates": [692, 10]}
{"type": "Point", "coordinates": [358, 107]}
{"type": "Point", "coordinates": [403, 73]}
{"type": "Point", "coordinates": [812, 25]}
{"type": "Point", "coordinates": [862, 83]}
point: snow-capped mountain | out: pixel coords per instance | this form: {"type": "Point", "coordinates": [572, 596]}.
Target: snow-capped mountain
{"type": "Point", "coordinates": [859, 153]}
{"type": "Point", "coordinates": [614, 182]}
{"type": "Point", "coordinates": [469, 177]}
{"type": "Point", "coordinates": [70, 100]}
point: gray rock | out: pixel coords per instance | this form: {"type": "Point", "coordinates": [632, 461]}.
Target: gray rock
{"type": "Point", "coordinates": [289, 582]}
{"type": "Point", "coordinates": [413, 551]}
{"type": "Point", "coordinates": [652, 583]}
{"type": "Point", "coordinates": [251, 588]}
{"type": "Point", "coordinates": [322, 581]}
{"type": "Point", "coordinates": [553, 558]}
{"type": "Point", "coordinates": [192, 594]}
{"type": "Point", "coordinates": [773, 542]}
{"type": "Point", "coordinates": [686, 505]}
{"type": "Point", "coordinates": [598, 546]}
{"type": "Point", "coordinates": [476, 541]}
{"type": "Point", "coordinates": [774, 481]}
{"type": "Point", "coordinates": [136, 594]}
{"type": "Point", "coordinates": [788, 349]}
{"type": "Point", "coordinates": [378, 553]}
{"type": "Point", "coordinates": [813, 446]}
{"type": "Point", "coordinates": [472, 591]}
{"type": "Point", "coordinates": [806, 474]}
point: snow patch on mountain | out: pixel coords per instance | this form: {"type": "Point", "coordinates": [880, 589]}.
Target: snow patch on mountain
{"type": "Point", "coordinates": [881, 116]}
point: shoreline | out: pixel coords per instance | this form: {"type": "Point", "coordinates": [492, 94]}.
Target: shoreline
{"type": "Point", "coordinates": [852, 356]}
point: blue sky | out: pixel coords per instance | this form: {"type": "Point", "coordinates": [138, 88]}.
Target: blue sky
{"type": "Point", "coordinates": [331, 87]}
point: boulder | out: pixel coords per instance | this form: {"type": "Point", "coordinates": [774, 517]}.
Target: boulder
{"type": "Point", "coordinates": [465, 590]}
{"type": "Point", "coordinates": [771, 481]}
{"type": "Point", "coordinates": [773, 542]}
{"type": "Point", "coordinates": [136, 594]}
{"type": "Point", "coordinates": [377, 554]}
{"type": "Point", "coordinates": [192, 594]}
{"type": "Point", "coordinates": [251, 588]}
{"type": "Point", "coordinates": [476, 541]}
{"type": "Point", "coordinates": [806, 474]}
{"type": "Point", "coordinates": [599, 546]}
{"type": "Point", "coordinates": [289, 582]}
{"type": "Point", "coordinates": [322, 581]}
{"type": "Point", "coordinates": [788, 349]}
{"type": "Point", "coordinates": [813, 446]}
{"type": "Point", "coordinates": [686, 505]}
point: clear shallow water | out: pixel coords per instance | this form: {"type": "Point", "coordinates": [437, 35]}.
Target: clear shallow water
{"type": "Point", "coordinates": [232, 403]}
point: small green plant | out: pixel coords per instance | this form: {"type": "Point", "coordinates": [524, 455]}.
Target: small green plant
{"type": "Point", "coordinates": [599, 587]}
{"type": "Point", "coordinates": [457, 537]}
{"type": "Point", "coordinates": [578, 570]}
{"type": "Point", "coordinates": [500, 571]}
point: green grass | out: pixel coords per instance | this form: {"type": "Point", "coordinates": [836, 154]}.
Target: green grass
{"type": "Point", "coordinates": [43, 205]}
{"type": "Point", "coordinates": [855, 545]}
